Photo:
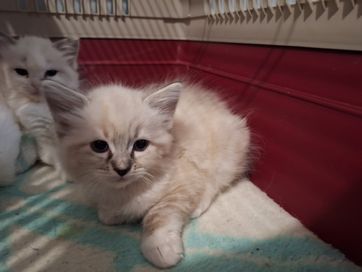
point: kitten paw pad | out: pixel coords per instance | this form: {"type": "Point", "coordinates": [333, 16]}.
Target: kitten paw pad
{"type": "Point", "coordinates": [163, 249]}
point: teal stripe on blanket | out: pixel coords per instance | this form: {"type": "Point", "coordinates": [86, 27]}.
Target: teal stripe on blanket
{"type": "Point", "coordinates": [45, 214]}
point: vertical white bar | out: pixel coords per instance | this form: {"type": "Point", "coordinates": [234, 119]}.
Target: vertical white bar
{"type": "Point", "coordinates": [22, 4]}
{"type": "Point", "coordinates": [93, 4]}
{"type": "Point", "coordinates": [213, 8]}
{"type": "Point", "coordinates": [272, 3]}
{"type": "Point", "coordinates": [244, 4]}
{"type": "Point", "coordinates": [77, 6]}
{"type": "Point", "coordinates": [109, 7]}
{"type": "Point", "coordinates": [232, 6]}
{"type": "Point", "coordinates": [60, 6]}
{"type": "Point", "coordinates": [41, 5]}
{"type": "Point", "coordinates": [257, 4]}
{"type": "Point", "coordinates": [125, 7]}
{"type": "Point", "coordinates": [206, 7]}
{"type": "Point", "coordinates": [221, 7]}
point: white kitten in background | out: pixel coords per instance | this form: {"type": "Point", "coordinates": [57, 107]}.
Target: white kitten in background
{"type": "Point", "coordinates": [26, 62]}
{"type": "Point", "coordinates": [161, 154]}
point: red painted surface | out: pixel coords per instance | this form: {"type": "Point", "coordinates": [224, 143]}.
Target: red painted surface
{"type": "Point", "coordinates": [304, 107]}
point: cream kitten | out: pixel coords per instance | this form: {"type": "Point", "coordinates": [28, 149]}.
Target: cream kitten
{"type": "Point", "coordinates": [26, 62]}
{"type": "Point", "coordinates": [161, 154]}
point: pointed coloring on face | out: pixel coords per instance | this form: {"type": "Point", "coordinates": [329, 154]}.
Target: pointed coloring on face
{"type": "Point", "coordinates": [64, 104]}
{"type": "Point", "coordinates": [165, 101]}
{"type": "Point", "coordinates": [69, 48]}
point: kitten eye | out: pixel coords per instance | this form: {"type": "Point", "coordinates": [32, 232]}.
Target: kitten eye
{"type": "Point", "coordinates": [140, 145]}
{"type": "Point", "coordinates": [99, 146]}
{"type": "Point", "coordinates": [21, 72]}
{"type": "Point", "coordinates": [50, 73]}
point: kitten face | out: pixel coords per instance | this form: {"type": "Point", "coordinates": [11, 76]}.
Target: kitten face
{"type": "Point", "coordinates": [115, 136]}
{"type": "Point", "coordinates": [29, 60]}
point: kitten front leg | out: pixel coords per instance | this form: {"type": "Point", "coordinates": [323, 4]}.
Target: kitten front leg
{"type": "Point", "coordinates": [163, 225]}
{"type": "Point", "coordinates": [35, 118]}
{"type": "Point", "coordinates": [163, 246]}
{"type": "Point", "coordinates": [48, 154]}
{"type": "Point", "coordinates": [10, 136]}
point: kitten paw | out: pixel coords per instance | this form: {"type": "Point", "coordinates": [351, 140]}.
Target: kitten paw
{"type": "Point", "coordinates": [163, 248]}
{"type": "Point", "coordinates": [47, 157]}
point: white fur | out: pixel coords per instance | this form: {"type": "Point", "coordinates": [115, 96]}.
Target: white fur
{"type": "Point", "coordinates": [197, 148]}
{"type": "Point", "coordinates": [23, 93]}
{"type": "Point", "coordinates": [9, 145]}
{"type": "Point", "coordinates": [164, 247]}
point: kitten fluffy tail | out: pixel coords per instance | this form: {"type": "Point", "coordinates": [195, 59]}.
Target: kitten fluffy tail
{"type": "Point", "coordinates": [9, 145]}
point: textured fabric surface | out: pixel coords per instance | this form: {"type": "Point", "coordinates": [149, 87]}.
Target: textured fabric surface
{"type": "Point", "coordinates": [45, 226]}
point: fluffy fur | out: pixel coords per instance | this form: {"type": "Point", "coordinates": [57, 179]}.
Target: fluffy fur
{"type": "Point", "coordinates": [197, 148]}
{"type": "Point", "coordinates": [9, 144]}
{"type": "Point", "coordinates": [25, 63]}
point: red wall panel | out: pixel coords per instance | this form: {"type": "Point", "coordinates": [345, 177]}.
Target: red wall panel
{"type": "Point", "coordinates": [304, 107]}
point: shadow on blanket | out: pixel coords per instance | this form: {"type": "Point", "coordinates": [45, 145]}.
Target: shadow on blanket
{"type": "Point", "coordinates": [44, 227]}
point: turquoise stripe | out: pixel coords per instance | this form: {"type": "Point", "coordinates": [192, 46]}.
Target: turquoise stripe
{"type": "Point", "coordinates": [280, 248]}
{"type": "Point", "coordinates": [43, 215]}
{"type": "Point", "coordinates": [4, 249]}
{"type": "Point", "coordinates": [207, 263]}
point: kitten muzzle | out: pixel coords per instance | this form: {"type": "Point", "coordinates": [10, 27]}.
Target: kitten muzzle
{"type": "Point", "coordinates": [122, 171]}
{"type": "Point", "coordinates": [34, 90]}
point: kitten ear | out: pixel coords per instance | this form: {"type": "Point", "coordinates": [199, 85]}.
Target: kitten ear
{"type": "Point", "coordinates": [6, 40]}
{"type": "Point", "coordinates": [64, 104]}
{"type": "Point", "coordinates": [165, 101]}
{"type": "Point", "coordinates": [166, 98]}
{"type": "Point", "coordinates": [69, 49]}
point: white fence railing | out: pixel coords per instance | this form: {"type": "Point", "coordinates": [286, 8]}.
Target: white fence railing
{"type": "Point", "coordinates": [309, 23]}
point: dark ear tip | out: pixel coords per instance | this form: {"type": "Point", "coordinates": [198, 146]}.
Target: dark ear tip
{"type": "Point", "coordinates": [4, 38]}
{"type": "Point", "coordinates": [76, 42]}
{"type": "Point", "coordinates": [72, 41]}
{"type": "Point", "coordinates": [66, 43]}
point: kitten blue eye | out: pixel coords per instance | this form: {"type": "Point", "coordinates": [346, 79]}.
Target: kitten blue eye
{"type": "Point", "coordinates": [140, 145]}
{"type": "Point", "coordinates": [50, 73]}
{"type": "Point", "coordinates": [21, 72]}
{"type": "Point", "coordinates": [99, 146]}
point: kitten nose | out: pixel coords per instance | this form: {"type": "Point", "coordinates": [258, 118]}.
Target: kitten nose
{"type": "Point", "coordinates": [121, 165]}
{"type": "Point", "coordinates": [34, 89]}
{"type": "Point", "coordinates": [122, 172]}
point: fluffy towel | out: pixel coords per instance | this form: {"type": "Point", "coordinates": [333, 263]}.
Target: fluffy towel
{"type": "Point", "coordinates": [45, 226]}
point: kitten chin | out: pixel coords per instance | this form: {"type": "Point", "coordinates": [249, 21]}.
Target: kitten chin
{"type": "Point", "coordinates": [184, 145]}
